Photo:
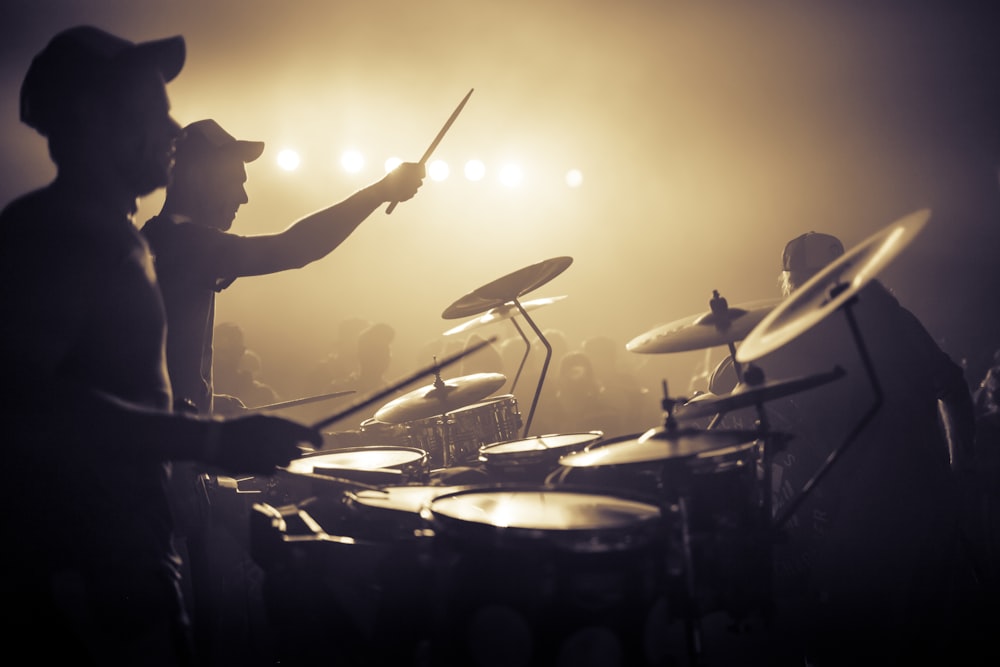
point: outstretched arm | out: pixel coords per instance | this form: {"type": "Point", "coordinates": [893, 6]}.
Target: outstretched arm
{"type": "Point", "coordinates": [318, 234]}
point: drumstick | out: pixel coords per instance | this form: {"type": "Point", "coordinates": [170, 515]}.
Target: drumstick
{"type": "Point", "coordinates": [437, 139]}
{"type": "Point", "coordinates": [402, 383]}
{"type": "Point", "coordinates": [301, 401]}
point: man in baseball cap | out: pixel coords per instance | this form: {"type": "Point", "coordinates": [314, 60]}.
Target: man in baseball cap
{"type": "Point", "coordinates": [805, 256]}
{"type": "Point", "coordinates": [94, 563]}
{"type": "Point", "coordinates": [84, 60]}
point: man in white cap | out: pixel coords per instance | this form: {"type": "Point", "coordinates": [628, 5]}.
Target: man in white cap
{"type": "Point", "coordinates": [90, 572]}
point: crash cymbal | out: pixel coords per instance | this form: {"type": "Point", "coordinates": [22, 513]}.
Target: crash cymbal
{"type": "Point", "coordinates": [504, 312]}
{"type": "Point", "coordinates": [659, 444]}
{"type": "Point", "coordinates": [440, 397]}
{"type": "Point", "coordinates": [831, 288]}
{"type": "Point", "coordinates": [704, 330]}
{"type": "Point", "coordinates": [506, 289]}
{"type": "Point", "coordinates": [745, 395]}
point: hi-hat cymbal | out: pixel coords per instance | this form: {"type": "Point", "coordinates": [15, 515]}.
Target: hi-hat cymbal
{"type": "Point", "coordinates": [659, 444]}
{"type": "Point", "coordinates": [703, 330]}
{"type": "Point", "coordinates": [440, 397]}
{"type": "Point", "coordinates": [508, 288]}
{"type": "Point", "coordinates": [504, 312]}
{"type": "Point", "coordinates": [831, 288]}
{"type": "Point", "coordinates": [745, 395]}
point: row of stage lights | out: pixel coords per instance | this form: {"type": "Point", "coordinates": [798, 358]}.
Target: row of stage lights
{"type": "Point", "coordinates": [509, 175]}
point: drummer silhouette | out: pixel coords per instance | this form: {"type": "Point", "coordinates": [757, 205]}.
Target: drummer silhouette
{"type": "Point", "coordinates": [871, 562]}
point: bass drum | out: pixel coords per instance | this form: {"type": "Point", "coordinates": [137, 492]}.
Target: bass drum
{"type": "Point", "coordinates": [530, 575]}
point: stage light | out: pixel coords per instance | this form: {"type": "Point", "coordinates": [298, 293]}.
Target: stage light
{"type": "Point", "coordinates": [511, 175]}
{"type": "Point", "coordinates": [574, 178]}
{"type": "Point", "coordinates": [352, 161]}
{"type": "Point", "coordinates": [438, 170]}
{"type": "Point", "coordinates": [289, 160]}
{"type": "Point", "coordinates": [475, 170]}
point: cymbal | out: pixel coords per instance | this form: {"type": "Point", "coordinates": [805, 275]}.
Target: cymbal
{"type": "Point", "coordinates": [440, 397]}
{"type": "Point", "coordinates": [508, 288]}
{"type": "Point", "coordinates": [659, 444]}
{"type": "Point", "coordinates": [745, 395]}
{"type": "Point", "coordinates": [829, 289]}
{"type": "Point", "coordinates": [499, 313]}
{"type": "Point", "coordinates": [703, 330]}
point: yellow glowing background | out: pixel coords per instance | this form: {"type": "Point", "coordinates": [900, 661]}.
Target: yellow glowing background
{"type": "Point", "coordinates": [704, 135]}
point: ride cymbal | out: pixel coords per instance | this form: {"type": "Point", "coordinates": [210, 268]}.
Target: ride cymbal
{"type": "Point", "coordinates": [829, 289]}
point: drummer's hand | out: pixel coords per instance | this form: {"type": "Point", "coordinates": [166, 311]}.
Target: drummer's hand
{"type": "Point", "coordinates": [258, 444]}
{"type": "Point", "coordinates": [402, 183]}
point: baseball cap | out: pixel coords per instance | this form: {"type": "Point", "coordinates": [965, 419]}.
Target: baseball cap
{"type": "Point", "coordinates": [207, 137]}
{"type": "Point", "coordinates": [810, 252]}
{"type": "Point", "coordinates": [81, 58]}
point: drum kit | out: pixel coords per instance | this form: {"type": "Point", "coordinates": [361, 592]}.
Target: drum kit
{"type": "Point", "coordinates": [567, 546]}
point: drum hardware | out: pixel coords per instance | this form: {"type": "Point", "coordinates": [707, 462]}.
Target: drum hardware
{"type": "Point", "coordinates": [507, 311]}
{"type": "Point", "coordinates": [508, 290]}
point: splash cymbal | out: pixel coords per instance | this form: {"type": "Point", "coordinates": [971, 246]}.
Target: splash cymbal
{"type": "Point", "coordinates": [746, 395]}
{"type": "Point", "coordinates": [506, 289]}
{"type": "Point", "coordinates": [704, 330]}
{"type": "Point", "coordinates": [499, 313]}
{"type": "Point", "coordinates": [440, 397]}
{"type": "Point", "coordinates": [829, 289]}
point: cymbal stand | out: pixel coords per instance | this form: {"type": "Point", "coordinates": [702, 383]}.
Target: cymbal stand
{"type": "Point", "coordinates": [524, 357]}
{"type": "Point", "coordinates": [679, 500]}
{"type": "Point", "coordinates": [793, 505]}
{"type": "Point", "coordinates": [720, 313]}
{"type": "Point", "coordinates": [545, 365]}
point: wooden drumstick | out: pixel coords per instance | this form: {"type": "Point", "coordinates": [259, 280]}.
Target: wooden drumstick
{"type": "Point", "coordinates": [437, 139]}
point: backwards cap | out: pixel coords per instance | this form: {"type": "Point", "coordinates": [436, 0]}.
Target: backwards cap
{"type": "Point", "coordinates": [811, 252]}
{"type": "Point", "coordinates": [206, 137]}
{"type": "Point", "coordinates": [80, 59]}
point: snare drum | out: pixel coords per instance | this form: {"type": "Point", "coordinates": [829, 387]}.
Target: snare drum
{"type": "Point", "coordinates": [469, 428]}
{"type": "Point", "coordinates": [527, 575]}
{"type": "Point", "coordinates": [533, 459]}
{"type": "Point", "coordinates": [321, 473]}
{"type": "Point", "coordinates": [454, 438]}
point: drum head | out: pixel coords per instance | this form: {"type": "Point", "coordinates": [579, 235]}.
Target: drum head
{"type": "Point", "coordinates": [564, 519]}
{"type": "Point", "coordinates": [356, 458]}
{"type": "Point", "coordinates": [539, 449]}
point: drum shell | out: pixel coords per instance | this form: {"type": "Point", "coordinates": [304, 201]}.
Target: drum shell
{"type": "Point", "coordinates": [549, 587]}
{"type": "Point", "coordinates": [473, 426]}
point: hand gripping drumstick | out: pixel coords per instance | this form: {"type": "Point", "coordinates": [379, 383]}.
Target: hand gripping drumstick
{"type": "Point", "coordinates": [437, 139]}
